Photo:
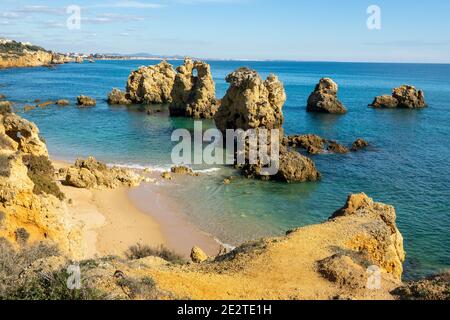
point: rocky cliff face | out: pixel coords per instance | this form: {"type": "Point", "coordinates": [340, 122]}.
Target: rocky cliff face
{"type": "Point", "coordinates": [194, 92]}
{"type": "Point", "coordinates": [324, 98]}
{"type": "Point", "coordinates": [357, 254]}
{"type": "Point", "coordinates": [31, 210]}
{"type": "Point", "coordinates": [16, 54]}
{"type": "Point", "coordinates": [151, 84]}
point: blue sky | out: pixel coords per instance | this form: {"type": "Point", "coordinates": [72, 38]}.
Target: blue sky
{"type": "Point", "coordinates": [326, 30]}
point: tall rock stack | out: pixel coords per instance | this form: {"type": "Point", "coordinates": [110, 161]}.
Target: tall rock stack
{"type": "Point", "coordinates": [149, 85]}
{"type": "Point", "coordinates": [252, 103]}
{"type": "Point", "coordinates": [324, 98]}
{"type": "Point", "coordinates": [194, 95]}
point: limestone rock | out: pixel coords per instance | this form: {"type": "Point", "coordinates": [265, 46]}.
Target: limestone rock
{"type": "Point", "coordinates": [324, 98]}
{"type": "Point", "coordinates": [79, 60]}
{"type": "Point", "coordinates": [296, 168]}
{"type": "Point", "coordinates": [432, 288]}
{"type": "Point", "coordinates": [182, 170]}
{"type": "Point", "coordinates": [151, 84]}
{"type": "Point", "coordinates": [251, 103]}
{"type": "Point", "coordinates": [24, 133]}
{"type": "Point", "coordinates": [37, 215]}
{"type": "Point", "coordinates": [193, 95]}
{"type": "Point", "coordinates": [117, 97]}
{"type": "Point", "coordinates": [359, 144]}
{"type": "Point", "coordinates": [84, 101]}
{"type": "Point", "coordinates": [336, 147]}
{"type": "Point", "coordinates": [344, 271]}
{"type": "Point", "coordinates": [92, 174]}
{"type": "Point", "coordinates": [383, 245]}
{"type": "Point", "coordinates": [385, 101]}
{"type": "Point", "coordinates": [62, 102]}
{"type": "Point", "coordinates": [405, 96]}
{"type": "Point", "coordinates": [312, 143]}
{"type": "Point", "coordinates": [5, 107]}
{"type": "Point", "coordinates": [166, 176]}
{"type": "Point", "coordinates": [198, 255]}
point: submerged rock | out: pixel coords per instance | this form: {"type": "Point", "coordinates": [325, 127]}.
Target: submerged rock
{"type": "Point", "coordinates": [405, 96]}
{"type": "Point", "coordinates": [336, 147]}
{"type": "Point", "coordinates": [62, 102]}
{"type": "Point", "coordinates": [5, 107]}
{"type": "Point", "coordinates": [2, 96]}
{"type": "Point", "coordinates": [152, 84]}
{"type": "Point", "coordinates": [118, 97]}
{"type": "Point", "coordinates": [93, 174]}
{"type": "Point", "coordinates": [84, 101]}
{"type": "Point", "coordinates": [194, 95]}
{"type": "Point", "coordinates": [324, 98]}
{"type": "Point", "coordinates": [359, 144]}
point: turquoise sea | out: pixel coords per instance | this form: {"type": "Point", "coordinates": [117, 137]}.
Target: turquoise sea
{"type": "Point", "coordinates": [407, 165]}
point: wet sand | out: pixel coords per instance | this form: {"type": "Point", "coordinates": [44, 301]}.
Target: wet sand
{"type": "Point", "coordinates": [117, 219]}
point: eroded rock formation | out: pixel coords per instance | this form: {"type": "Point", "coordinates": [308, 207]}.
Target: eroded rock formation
{"type": "Point", "coordinates": [252, 103]}
{"type": "Point", "coordinates": [315, 144]}
{"type": "Point", "coordinates": [84, 101]}
{"type": "Point", "coordinates": [324, 261]}
{"type": "Point", "coordinates": [194, 92]}
{"type": "Point", "coordinates": [92, 174]}
{"type": "Point", "coordinates": [324, 98]}
{"type": "Point", "coordinates": [118, 97]}
{"type": "Point", "coordinates": [152, 84]}
{"type": "Point", "coordinates": [405, 96]}
{"type": "Point", "coordinates": [29, 198]}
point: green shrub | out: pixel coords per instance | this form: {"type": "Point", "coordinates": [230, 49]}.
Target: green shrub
{"type": "Point", "coordinates": [13, 263]}
{"type": "Point", "coordinates": [41, 172]}
{"type": "Point", "coordinates": [143, 288]}
{"type": "Point", "coordinates": [52, 286]}
{"type": "Point", "coordinates": [140, 251]}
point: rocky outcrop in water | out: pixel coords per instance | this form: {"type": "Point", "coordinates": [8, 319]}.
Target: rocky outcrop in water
{"type": "Point", "coordinates": [93, 174]}
{"type": "Point", "coordinates": [194, 91]}
{"type": "Point", "coordinates": [315, 144]}
{"type": "Point", "coordinates": [84, 101]}
{"type": "Point", "coordinates": [152, 84]}
{"type": "Point", "coordinates": [359, 144]}
{"type": "Point", "coordinates": [118, 97]}
{"type": "Point", "coordinates": [252, 103]}
{"type": "Point", "coordinates": [30, 200]}
{"type": "Point", "coordinates": [324, 98]}
{"type": "Point", "coordinates": [402, 97]}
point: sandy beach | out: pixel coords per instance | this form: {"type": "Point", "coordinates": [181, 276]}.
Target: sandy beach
{"type": "Point", "coordinates": [116, 219]}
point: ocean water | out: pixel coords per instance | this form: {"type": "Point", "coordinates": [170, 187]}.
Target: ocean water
{"type": "Point", "coordinates": [407, 164]}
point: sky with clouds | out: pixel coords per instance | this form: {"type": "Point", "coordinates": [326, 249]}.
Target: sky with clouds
{"type": "Point", "coordinates": [326, 30]}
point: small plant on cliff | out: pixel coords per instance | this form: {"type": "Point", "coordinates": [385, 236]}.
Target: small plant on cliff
{"type": "Point", "coordinates": [41, 172]}
{"type": "Point", "coordinates": [140, 251]}
{"type": "Point", "coordinates": [13, 263]}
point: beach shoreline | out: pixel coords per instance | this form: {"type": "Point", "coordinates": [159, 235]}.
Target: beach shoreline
{"type": "Point", "coordinates": [116, 219]}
